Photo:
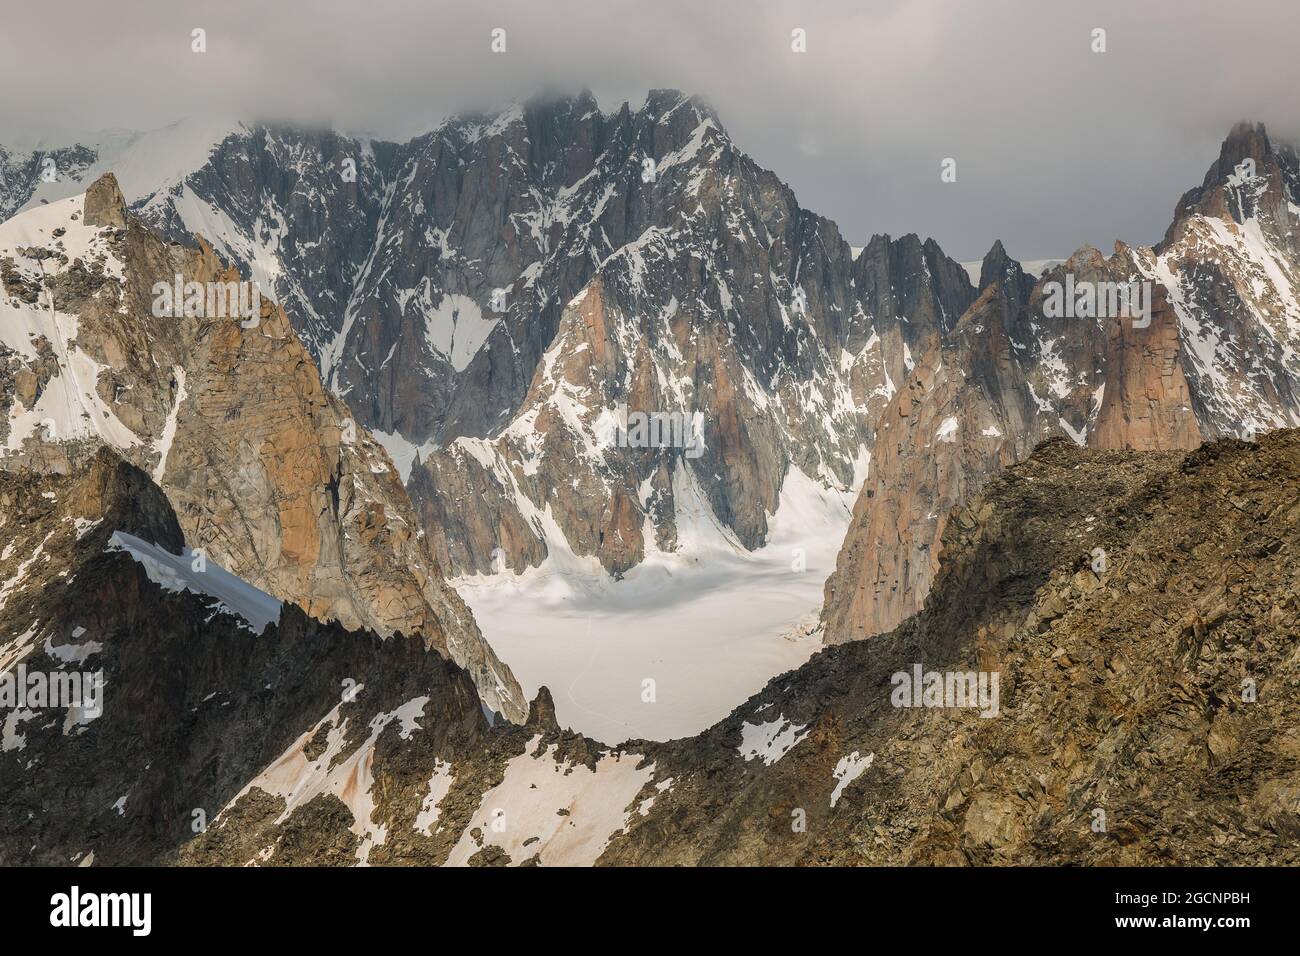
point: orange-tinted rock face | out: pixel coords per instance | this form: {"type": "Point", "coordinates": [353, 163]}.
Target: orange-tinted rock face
{"type": "Point", "coordinates": [104, 203]}
{"type": "Point", "coordinates": [1147, 404]}
{"type": "Point", "coordinates": [267, 472]}
{"type": "Point", "coordinates": [937, 441]}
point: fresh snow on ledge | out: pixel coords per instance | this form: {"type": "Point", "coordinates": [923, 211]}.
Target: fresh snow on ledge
{"type": "Point", "coordinates": [169, 427]}
{"type": "Point", "coordinates": [69, 405]}
{"type": "Point", "coordinates": [402, 451]}
{"type": "Point", "coordinates": [174, 572]}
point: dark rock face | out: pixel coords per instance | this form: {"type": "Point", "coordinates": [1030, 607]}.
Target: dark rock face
{"type": "Point", "coordinates": [1000, 268]}
{"type": "Point", "coordinates": [433, 288]}
{"type": "Point", "coordinates": [389, 274]}
{"type": "Point", "coordinates": [541, 712]}
{"type": "Point", "coordinates": [1230, 266]}
{"type": "Point", "coordinates": [193, 703]}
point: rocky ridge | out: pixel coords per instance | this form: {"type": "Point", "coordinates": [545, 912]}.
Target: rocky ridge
{"type": "Point", "coordinates": [194, 700]}
{"type": "Point", "coordinates": [268, 472]}
{"type": "Point", "coordinates": [1217, 356]}
{"type": "Point", "coordinates": [1142, 716]}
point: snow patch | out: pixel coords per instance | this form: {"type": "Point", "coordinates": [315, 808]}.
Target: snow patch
{"type": "Point", "coordinates": [175, 572]}
{"type": "Point", "coordinates": [439, 786]}
{"type": "Point", "coordinates": [525, 807]}
{"type": "Point", "coordinates": [169, 427]}
{"type": "Point", "coordinates": [456, 329]}
{"type": "Point", "coordinates": [770, 741]}
{"type": "Point", "coordinates": [298, 780]}
{"type": "Point", "coordinates": [847, 770]}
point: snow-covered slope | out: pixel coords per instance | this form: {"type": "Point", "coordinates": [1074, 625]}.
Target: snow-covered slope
{"type": "Point", "coordinates": [145, 163]}
{"type": "Point", "coordinates": [189, 571]}
{"type": "Point", "coordinates": [40, 249]}
{"type": "Point", "coordinates": [706, 625]}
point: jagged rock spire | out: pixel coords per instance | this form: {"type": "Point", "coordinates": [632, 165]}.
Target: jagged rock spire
{"type": "Point", "coordinates": [105, 204]}
{"type": "Point", "coordinates": [1244, 141]}
{"type": "Point", "coordinates": [1001, 268]}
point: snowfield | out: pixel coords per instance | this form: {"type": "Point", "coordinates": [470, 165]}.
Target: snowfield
{"type": "Point", "coordinates": [707, 626]}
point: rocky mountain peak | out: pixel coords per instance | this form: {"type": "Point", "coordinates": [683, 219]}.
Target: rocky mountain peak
{"type": "Point", "coordinates": [1086, 257]}
{"type": "Point", "coordinates": [541, 712]}
{"type": "Point", "coordinates": [1244, 141]}
{"type": "Point", "coordinates": [105, 204]}
{"type": "Point", "coordinates": [1001, 268]}
{"type": "Point", "coordinates": [660, 102]}
{"type": "Point", "coordinates": [1253, 177]}
{"type": "Point", "coordinates": [997, 252]}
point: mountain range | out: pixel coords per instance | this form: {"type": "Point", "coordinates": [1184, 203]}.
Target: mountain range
{"type": "Point", "coordinates": [441, 382]}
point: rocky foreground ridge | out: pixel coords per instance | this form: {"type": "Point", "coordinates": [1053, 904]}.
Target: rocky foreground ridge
{"type": "Point", "coordinates": [1145, 712]}
{"type": "Point", "coordinates": [1141, 611]}
{"type": "Point", "coordinates": [195, 699]}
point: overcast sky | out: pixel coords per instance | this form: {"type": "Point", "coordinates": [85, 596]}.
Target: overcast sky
{"type": "Point", "coordinates": [1055, 145]}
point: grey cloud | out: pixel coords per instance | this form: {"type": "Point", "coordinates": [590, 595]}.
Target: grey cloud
{"type": "Point", "coordinates": [1055, 145]}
